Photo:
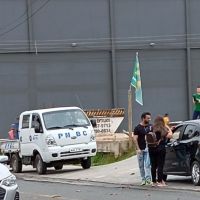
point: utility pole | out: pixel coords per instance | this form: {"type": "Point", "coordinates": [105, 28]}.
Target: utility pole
{"type": "Point", "coordinates": [130, 118]}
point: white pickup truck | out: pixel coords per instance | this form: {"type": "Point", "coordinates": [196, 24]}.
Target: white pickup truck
{"type": "Point", "coordinates": [51, 138]}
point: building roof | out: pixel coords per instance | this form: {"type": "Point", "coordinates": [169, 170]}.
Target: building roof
{"type": "Point", "coordinates": [116, 112]}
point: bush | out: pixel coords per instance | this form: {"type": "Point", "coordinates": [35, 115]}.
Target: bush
{"type": "Point", "coordinates": [107, 158]}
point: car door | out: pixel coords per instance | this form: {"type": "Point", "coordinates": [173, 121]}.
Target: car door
{"type": "Point", "coordinates": [187, 147]}
{"type": "Point", "coordinates": [25, 135]}
{"type": "Point", "coordinates": [171, 163]}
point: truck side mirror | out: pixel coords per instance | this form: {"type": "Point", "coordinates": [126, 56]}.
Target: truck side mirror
{"type": "Point", "coordinates": [94, 123]}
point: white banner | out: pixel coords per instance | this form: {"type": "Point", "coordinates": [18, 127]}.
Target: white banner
{"type": "Point", "coordinates": [107, 124]}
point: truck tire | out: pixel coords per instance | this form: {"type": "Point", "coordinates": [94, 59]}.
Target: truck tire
{"type": "Point", "coordinates": [40, 165]}
{"type": "Point", "coordinates": [58, 166]}
{"type": "Point", "coordinates": [86, 163]}
{"type": "Point", "coordinates": [16, 163]}
{"type": "Point", "coordinates": [195, 173]}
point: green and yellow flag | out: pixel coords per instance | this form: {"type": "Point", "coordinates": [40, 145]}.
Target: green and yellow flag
{"type": "Point", "coordinates": [136, 81]}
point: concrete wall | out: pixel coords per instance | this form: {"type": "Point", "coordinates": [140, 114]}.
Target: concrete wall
{"type": "Point", "coordinates": [81, 52]}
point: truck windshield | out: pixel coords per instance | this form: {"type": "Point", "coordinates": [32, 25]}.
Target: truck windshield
{"type": "Point", "coordinates": [65, 119]}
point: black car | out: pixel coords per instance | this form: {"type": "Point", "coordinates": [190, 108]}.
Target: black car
{"type": "Point", "coordinates": [183, 151]}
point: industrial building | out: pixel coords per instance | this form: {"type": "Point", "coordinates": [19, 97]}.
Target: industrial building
{"type": "Point", "coordinates": [81, 53]}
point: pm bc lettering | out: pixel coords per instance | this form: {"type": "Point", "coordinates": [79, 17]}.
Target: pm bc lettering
{"type": "Point", "coordinates": [67, 135]}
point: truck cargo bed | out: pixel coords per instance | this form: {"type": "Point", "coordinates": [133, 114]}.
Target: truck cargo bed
{"type": "Point", "coordinates": [9, 146]}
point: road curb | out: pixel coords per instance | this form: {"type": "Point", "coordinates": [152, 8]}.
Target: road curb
{"type": "Point", "coordinates": [95, 183]}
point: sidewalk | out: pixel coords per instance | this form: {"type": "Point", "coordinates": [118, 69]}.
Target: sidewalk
{"type": "Point", "coordinates": [123, 173]}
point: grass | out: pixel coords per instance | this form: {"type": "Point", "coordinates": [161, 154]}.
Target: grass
{"type": "Point", "coordinates": [107, 158]}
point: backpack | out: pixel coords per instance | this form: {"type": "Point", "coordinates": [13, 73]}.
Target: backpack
{"type": "Point", "coordinates": [151, 139]}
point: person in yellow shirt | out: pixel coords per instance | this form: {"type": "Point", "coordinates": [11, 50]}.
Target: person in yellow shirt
{"type": "Point", "coordinates": [166, 119]}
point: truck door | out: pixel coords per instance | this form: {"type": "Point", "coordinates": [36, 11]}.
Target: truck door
{"type": "Point", "coordinates": [24, 133]}
{"type": "Point", "coordinates": [37, 136]}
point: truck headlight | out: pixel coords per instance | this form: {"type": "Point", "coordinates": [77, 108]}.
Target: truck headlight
{"type": "Point", "coordinates": [92, 137]}
{"type": "Point", "coordinates": [9, 181]}
{"type": "Point", "coordinates": [50, 140]}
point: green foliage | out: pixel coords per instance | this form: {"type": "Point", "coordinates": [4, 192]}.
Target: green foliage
{"type": "Point", "coordinates": [107, 158]}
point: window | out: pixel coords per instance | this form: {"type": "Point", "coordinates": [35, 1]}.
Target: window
{"type": "Point", "coordinates": [35, 119]}
{"type": "Point", "coordinates": [177, 132]}
{"type": "Point", "coordinates": [36, 122]}
{"type": "Point", "coordinates": [189, 132]}
{"type": "Point", "coordinates": [64, 118]}
{"type": "Point", "coordinates": [196, 133]}
{"type": "Point", "coordinates": [25, 121]}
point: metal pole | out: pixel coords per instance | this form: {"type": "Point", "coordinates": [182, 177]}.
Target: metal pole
{"type": "Point", "coordinates": [113, 57]}
{"type": "Point", "coordinates": [130, 117]}
{"type": "Point", "coordinates": [32, 91]}
{"type": "Point", "coordinates": [188, 66]}
{"type": "Point", "coordinates": [29, 24]}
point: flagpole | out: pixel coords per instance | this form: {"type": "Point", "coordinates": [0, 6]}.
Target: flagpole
{"type": "Point", "coordinates": [136, 83]}
{"type": "Point", "coordinates": [130, 117]}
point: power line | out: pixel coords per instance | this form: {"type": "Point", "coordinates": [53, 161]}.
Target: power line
{"type": "Point", "coordinates": [18, 18]}
{"type": "Point", "coordinates": [19, 24]}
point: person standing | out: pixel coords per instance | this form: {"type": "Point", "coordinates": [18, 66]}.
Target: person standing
{"type": "Point", "coordinates": [166, 119]}
{"type": "Point", "coordinates": [196, 101]}
{"type": "Point", "coordinates": [140, 132]}
{"type": "Point", "coordinates": [157, 150]}
{"type": "Point", "coordinates": [11, 133]}
{"type": "Point", "coordinates": [15, 128]}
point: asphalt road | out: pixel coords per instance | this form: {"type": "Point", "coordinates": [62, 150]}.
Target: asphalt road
{"type": "Point", "coordinates": [125, 172]}
{"type": "Point", "coordinates": [58, 191]}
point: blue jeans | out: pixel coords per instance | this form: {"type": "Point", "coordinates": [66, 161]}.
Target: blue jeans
{"type": "Point", "coordinates": [144, 165]}
{"type": "Point", "coordinates": [196, 114]}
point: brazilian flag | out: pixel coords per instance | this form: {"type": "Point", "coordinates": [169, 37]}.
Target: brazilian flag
{"type": "Point", "coordinates": [136, 81]}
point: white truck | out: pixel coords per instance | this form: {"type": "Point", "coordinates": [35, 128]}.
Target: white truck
{"type": "Point", "coordinates": [51, 138]}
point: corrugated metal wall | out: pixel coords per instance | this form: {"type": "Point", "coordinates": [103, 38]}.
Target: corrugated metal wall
{"type": "Point", "coordinates": [81, 52]}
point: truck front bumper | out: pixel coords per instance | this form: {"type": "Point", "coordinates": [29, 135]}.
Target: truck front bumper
{"type": "Point", "coordinates": [59, 153]}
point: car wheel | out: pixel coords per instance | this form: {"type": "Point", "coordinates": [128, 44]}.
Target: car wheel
{"type": "Point", "coordinates": [196, 173]}
{"type": "Point", "coordinates": [86, 163]}
{"type": "Point", "coordinates": [40, 165]}
{"type": "Point", "coordinates": [16, 163]}
{"type": "Point", "coordinates": [58, 166]}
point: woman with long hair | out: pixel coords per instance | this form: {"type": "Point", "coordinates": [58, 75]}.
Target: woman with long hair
{"type": "Point", "coordinates": [157, 152]}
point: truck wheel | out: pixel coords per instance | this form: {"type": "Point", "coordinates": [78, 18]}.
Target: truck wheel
{"type": "Point", "coordinates": [86, 163]}
{"type": "Point", "coordinates": [58, 166]}
{"type": "Point", "coordinates": [16, 163]}
{"type": "Point", "coordinates": [40, 165]}
{"type": "Point", "coordinates": [195, 173]}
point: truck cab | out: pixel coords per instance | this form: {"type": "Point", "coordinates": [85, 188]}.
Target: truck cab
{"type": "Point", "coordinates": [53, 137]}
